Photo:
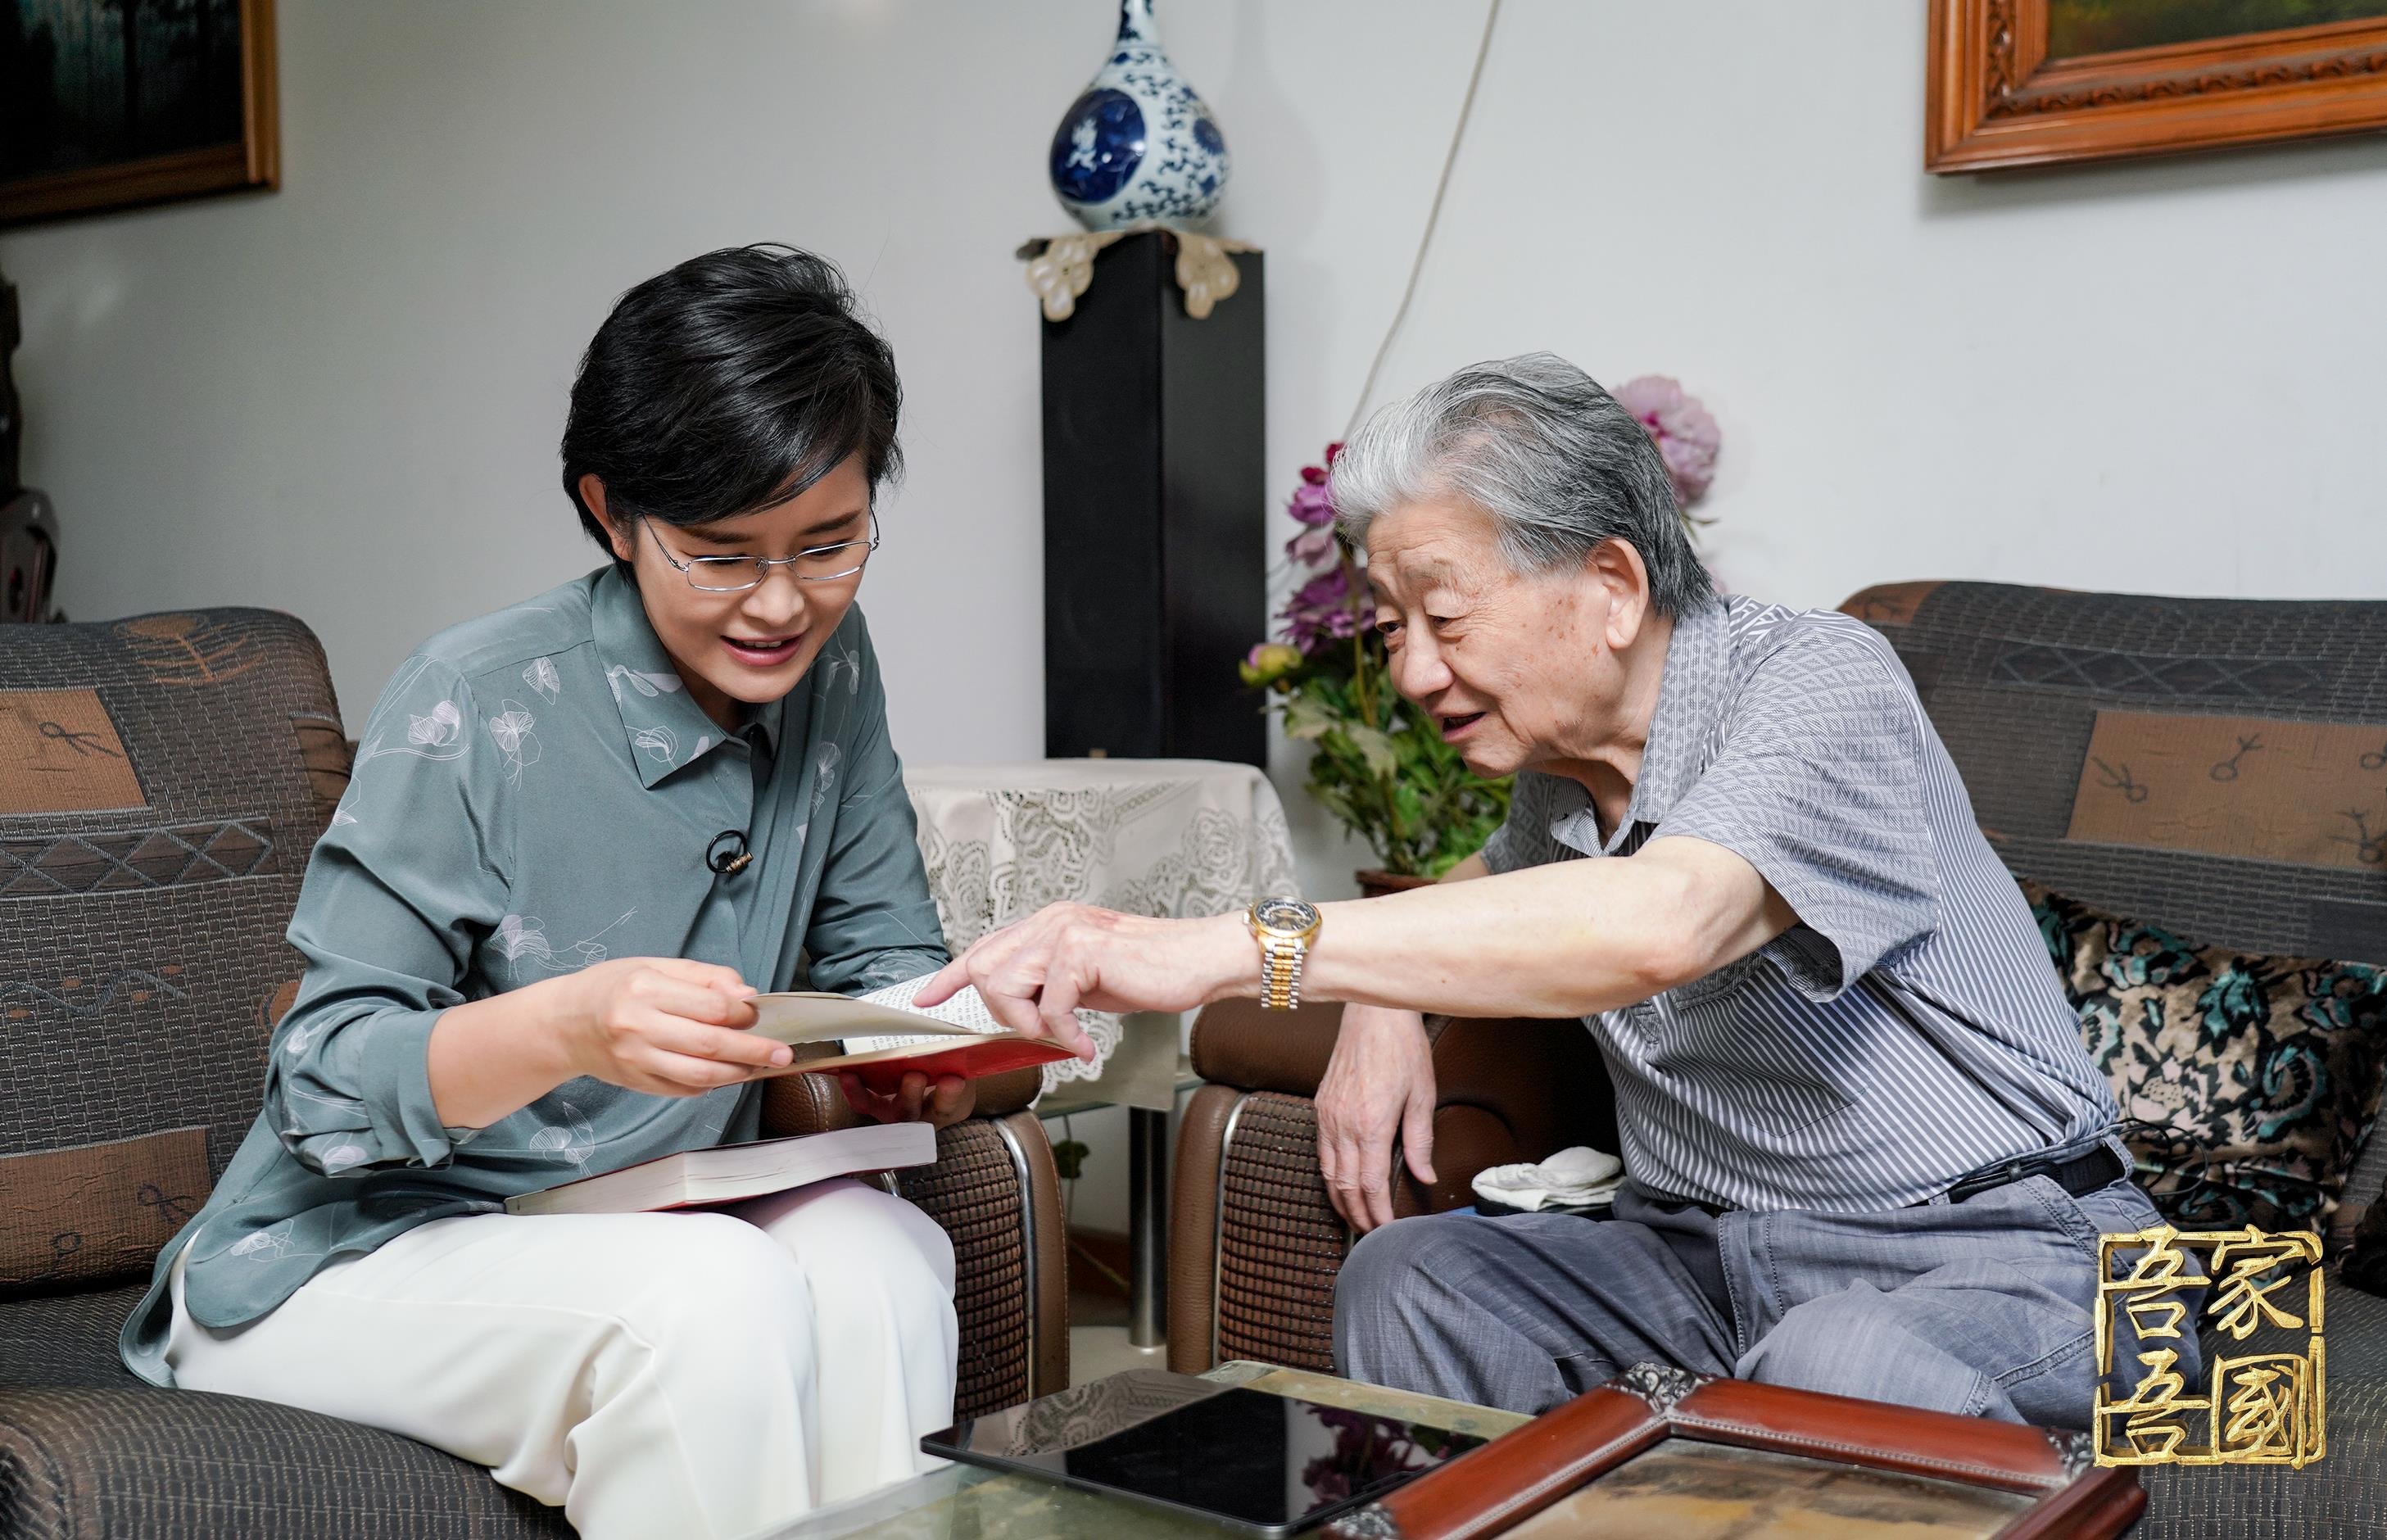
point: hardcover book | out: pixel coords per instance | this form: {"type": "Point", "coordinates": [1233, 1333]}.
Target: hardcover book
{"type": "Point", "coordinates": [727, 1172]}
{"type": "Point", "coordinates": [882, 1041]}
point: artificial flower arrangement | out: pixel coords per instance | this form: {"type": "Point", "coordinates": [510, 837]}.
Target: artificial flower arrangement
{"type": "Point", "coordinates": [1378, 763]}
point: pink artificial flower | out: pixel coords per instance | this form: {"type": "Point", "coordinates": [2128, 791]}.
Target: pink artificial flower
{"type": "Point", "coordinates": [1686, 436]}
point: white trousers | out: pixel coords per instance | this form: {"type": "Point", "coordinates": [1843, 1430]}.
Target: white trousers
{"type": "Point", "coordinates": [702, 1373]}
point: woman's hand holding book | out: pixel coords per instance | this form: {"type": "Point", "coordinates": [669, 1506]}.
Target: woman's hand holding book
{"type": "Point", "coordinates": [940, 1106]}
{"type": "Point", "coordinates": [662, 1025]}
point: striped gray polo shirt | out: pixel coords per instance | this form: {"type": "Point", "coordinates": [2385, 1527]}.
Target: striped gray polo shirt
{"type": "Point", "coordinates": [1908, 1029]}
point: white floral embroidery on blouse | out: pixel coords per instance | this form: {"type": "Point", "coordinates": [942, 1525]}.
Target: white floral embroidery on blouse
{"type": "Point", "coordinates": [541, 675]}
{"type": "Point", "coordinates": [512, 729]}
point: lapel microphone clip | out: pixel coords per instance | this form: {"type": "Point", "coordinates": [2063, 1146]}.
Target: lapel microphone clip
{"type": "Point", "coordinates": [728, 854]}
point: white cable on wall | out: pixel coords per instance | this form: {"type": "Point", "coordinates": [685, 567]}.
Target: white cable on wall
{"type": "Point", "coordinates": [1432, 218]}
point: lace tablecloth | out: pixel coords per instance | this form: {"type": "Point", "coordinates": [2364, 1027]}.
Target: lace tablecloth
{"type": "Point", "coordinates": [1168, 837]}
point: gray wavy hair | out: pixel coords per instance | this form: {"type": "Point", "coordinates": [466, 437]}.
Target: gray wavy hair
{"type": "Point", "coordinates": [1538, 445]}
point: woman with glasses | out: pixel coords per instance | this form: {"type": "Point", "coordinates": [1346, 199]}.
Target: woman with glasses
{"type": "Point", "coordinates": [581, 833]}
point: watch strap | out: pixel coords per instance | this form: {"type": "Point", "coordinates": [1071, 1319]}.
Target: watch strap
{"type": "Point", "coordinates": [1281, 961]}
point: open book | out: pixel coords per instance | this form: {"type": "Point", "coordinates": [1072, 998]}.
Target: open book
{"type": "Point", "coordinates": [884, 1041]}
{"type": "Point", "coordinates": [727, 1172]}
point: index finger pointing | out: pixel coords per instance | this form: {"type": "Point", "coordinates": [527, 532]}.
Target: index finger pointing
{"type": "Point", "coordinates": [943, 984]}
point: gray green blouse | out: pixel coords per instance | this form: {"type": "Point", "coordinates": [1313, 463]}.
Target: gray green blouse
{"type": "Point", "coordinates": [535, 792]}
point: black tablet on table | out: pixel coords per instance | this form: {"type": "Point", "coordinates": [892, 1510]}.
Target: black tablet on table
{"type": "Point", "coordinates": [1262, 1464]}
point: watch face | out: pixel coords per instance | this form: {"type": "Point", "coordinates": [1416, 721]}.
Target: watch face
{"type": "Point", "coordinates": [1290, 916]}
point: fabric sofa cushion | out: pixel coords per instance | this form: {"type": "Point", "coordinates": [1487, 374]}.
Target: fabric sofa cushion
{"type": "Point", "coordinates": [162, 780]}
{"type": "Point", "coordinates": [161, 786]}
{"type": "Point", "coordinates": [137, 1461]}
{"type": "Point", "coordinates": [2365, 1265]}
{"type": "Point", "coordinates": [97, 1213]}
{"type": "Point", "coordinates": [2246, 1082]}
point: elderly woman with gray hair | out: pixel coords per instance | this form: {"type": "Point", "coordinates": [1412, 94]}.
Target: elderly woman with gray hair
{"type": "Point", "coordinates": [1866, 1151]}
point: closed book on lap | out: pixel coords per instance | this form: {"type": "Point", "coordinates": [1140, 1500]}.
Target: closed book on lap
{"type": "Point", "coordinates": [884, 1042]}
{"type": "Point", "coordinates": [727, 1172]}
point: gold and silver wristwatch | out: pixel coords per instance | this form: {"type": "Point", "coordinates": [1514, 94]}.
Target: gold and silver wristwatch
{"type": "Point", "coordinates": [1284, 927]}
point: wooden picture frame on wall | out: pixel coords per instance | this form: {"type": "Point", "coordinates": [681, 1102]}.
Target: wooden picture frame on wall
{"type": "Point", "coordinates": [2036, 82]}
{"type": "Point", "coordinates": [116, 104]}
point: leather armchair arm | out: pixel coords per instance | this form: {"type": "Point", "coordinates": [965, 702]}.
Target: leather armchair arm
{"type": "Point", "coordinates": [1255, 1242]}
{"type": "Point", "coordinates": [1239, 1043]}
{"type": "Point", "coordinates": [1504, 1090]}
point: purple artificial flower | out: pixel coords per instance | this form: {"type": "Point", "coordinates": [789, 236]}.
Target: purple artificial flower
{"type": "Point", "coordinates": [1312, 547]}
{"type": "Point", "coordinates": [1314, 510]}
{"type": "Point", "coordinates": [1310, 502]}
{"type": "Point", "coordinates": [1686, 436]}
{"type": "Point", "coordinates": [1323, 609]}
{"type": "Point", "coordinates": [1320, 612]}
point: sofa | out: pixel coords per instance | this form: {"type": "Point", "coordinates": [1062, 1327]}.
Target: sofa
{"type": "Point", "coordinates": [2034, 692]}
{"type": "Point", "coordinates": [162, 780]}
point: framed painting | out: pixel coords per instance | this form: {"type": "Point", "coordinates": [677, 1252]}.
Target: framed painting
{"type": "Point", "coordinates": [1658, 1451]}
{"type": "Point", "coordinates": [112, 103]}
{"type": "Point", "coordinates": [2034, 82]}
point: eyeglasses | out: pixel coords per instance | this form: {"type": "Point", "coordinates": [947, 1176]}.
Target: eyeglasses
{"type": "Point", "coordinates": [737, 574]}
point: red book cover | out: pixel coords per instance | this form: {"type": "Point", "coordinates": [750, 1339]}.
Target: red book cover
{"type": "Point", "coordinates": [884, 1070]}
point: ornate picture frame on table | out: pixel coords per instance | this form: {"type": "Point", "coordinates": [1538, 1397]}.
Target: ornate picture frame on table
{"type": "Point", "coordinates": [2035, 83]}
{"type": "Point", "coordinates": [117, 103]}
{"type": "Point", "coordinates": [1661, 1451]}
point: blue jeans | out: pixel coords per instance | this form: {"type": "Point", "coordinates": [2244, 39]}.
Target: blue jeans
{"type": "Point", "coordinates": [1981, 1308]}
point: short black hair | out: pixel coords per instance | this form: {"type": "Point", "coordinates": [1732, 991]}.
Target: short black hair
{"type": "Point", "coordinates": [726, 385]}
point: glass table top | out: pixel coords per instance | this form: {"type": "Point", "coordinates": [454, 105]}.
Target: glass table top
{"type": "Point", "coordinates": [967, 1502]}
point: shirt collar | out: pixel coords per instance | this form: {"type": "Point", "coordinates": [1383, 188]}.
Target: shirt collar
{"type": "Point", "coordinates": [664, 726]}
{"type": "Point", "coordinates": [1692, 692]}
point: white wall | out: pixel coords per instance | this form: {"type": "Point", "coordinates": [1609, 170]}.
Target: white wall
{"type": "Point", "coordinates": [343, 398]}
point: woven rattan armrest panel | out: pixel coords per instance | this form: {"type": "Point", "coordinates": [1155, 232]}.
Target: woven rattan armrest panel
{"type": "Point", "coordinates": [993, 1190]}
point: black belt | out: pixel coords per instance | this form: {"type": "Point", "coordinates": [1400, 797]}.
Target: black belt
{"type": "Point", "coordinates": [2083, 1174]}
{"type": "Point", "coordinates": [2080, 1175]}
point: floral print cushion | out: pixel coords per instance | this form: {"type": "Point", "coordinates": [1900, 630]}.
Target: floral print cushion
{"type": "Point", "coordinates": [2246, 1083]}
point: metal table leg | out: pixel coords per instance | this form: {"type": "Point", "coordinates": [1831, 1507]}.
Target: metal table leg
{"type": "Point", "coordinates": [1147, 1227]}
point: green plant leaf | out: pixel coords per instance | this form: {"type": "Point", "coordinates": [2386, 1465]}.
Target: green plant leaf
{"type": "Point", "coordinates": [1305, 717]}
{"type": "Point", "coordinates": [1386, 776]}
{"type": "Point", "coordinates": [1376, 747]}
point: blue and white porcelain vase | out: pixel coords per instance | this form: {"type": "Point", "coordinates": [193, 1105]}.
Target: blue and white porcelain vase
{"type": "Point", "coordinates": [1139, 144]}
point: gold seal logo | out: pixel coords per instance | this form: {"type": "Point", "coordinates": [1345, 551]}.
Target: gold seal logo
{"type": "Point", "coordinates": [2164, 1295]}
